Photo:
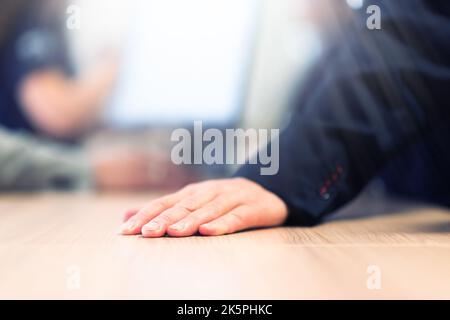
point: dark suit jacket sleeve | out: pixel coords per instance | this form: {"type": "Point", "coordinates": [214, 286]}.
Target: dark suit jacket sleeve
{"type": "Point", "coordinates": [372, 94]}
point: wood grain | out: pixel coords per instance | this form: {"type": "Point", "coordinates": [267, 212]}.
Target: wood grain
{"type": "Point", "coordinates": [48, 239]}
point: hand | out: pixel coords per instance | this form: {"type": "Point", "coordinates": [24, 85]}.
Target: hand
{"type": "Point", "coordinates": [211, 208]}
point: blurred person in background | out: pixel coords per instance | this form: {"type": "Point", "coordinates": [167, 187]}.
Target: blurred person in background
{"type": "Point", "coordinates": [38, 90]}
{"type": "Point", "coordinates": [40, 95]}
{"type": "Point", "coordinates": [374, 99]}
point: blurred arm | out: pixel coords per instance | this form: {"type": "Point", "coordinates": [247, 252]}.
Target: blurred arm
{"type": "Point", "coordinates": [61, 106]}
{"type": "Point", "coordinates": [28, 164]}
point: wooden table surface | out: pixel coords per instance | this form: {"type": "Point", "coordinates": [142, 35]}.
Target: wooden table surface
{"type": "Point", "coordinates": [66, 246]}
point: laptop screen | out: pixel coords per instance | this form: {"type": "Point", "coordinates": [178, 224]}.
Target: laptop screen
{"type": "Point", "coordinates": [185, 61]}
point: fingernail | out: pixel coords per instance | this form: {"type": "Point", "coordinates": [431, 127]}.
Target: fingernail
{"type": "Point", "coordinates": [129, 226]}
{"type": "Point", "coordinates": [152, 226]}
{"type": "Point", "coordinates": [178, 227]}
{"type": "Point", "coordinates": [215, 229]}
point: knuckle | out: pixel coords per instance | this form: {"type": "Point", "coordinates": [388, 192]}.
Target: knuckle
{"type": "Point", "coordinates": [213, 207]}
{"type": "Point", "coordinates": [192, 187]}
{"type": "Point", "coordinates": [164, 219]}
{"type": "Point", "coordinates": [239, 219]}
{"type": "Point", "coordinates": [239, 179]}
{"type": "Point", "coordinates": [190, 204]}
{"type": "Point", "coordinates": [199, 216]}
{"type": "Point", "coordinates": [160, 203]}
{"type": "Point", "coordinates": [211, 184]}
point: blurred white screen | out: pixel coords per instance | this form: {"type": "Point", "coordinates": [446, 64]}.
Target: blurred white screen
{"type": "Point", "coordinates": [184, 60]}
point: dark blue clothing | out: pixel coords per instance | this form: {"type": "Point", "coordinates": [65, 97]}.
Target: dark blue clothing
{"type": "Point", "coordinates": [34, 43]}
{"type": "Point", "coordinates": [376, 100]}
